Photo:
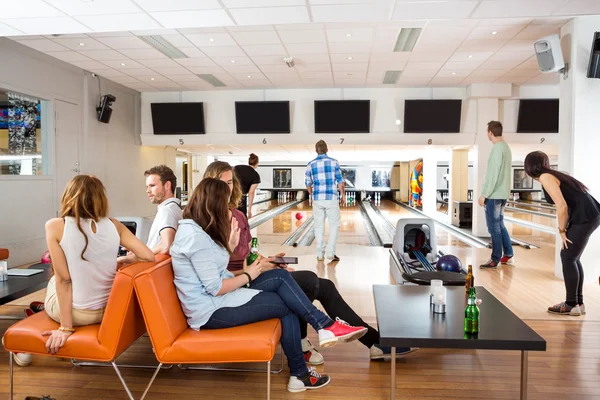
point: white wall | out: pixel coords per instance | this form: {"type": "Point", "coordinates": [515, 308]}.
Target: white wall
{"type": "Point", "coordinates": [113, 152]}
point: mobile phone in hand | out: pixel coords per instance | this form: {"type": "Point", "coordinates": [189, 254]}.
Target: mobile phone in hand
{"type": "Point", "coordinates": [285, 260]}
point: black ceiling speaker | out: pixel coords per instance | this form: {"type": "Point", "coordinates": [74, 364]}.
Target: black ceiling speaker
{"type": "Point", "coordinates": [103, 110]}
{"type": "Point", "coordinates": [594, 67]}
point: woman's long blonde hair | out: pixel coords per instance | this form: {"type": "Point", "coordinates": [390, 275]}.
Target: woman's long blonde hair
{"type": "Point", "coordinates": [84, 197]}
{"type": "Point", "coordinates": [215, 169]}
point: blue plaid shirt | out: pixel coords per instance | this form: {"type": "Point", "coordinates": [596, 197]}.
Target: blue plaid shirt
{"type": "Point", "coordinates": [323, 174]}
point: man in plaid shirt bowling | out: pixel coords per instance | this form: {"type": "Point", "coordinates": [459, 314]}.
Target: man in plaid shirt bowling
{"type": "Point", "coordinates": [323, 179]}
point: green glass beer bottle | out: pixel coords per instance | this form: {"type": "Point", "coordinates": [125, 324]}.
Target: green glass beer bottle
{"type": "Point", "coordinates": [253, 252]}
{"type": "Point", "coordinates": [472, 314]}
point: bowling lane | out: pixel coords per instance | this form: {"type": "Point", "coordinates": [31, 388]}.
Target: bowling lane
{"type": "Point", "coordinates": [264, 206]}
{"type": "Point", "coordinates": [277, 229]}
{"type": "Point", "coordinates": [527, 234]}
{"type": "Point", "coordinates": [393, 212]}
{"type": "Point", "coordinates": [352, 227]}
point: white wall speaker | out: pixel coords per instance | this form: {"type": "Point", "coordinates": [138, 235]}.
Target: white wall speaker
{"type": "Point", "coordinates": [549, 54]}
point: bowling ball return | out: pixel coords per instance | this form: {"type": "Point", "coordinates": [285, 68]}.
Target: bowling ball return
{"type": "Point", "coordinates": [414, 255]}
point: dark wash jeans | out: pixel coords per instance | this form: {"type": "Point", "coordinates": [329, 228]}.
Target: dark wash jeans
{"type": "Point", "coordinates": [494, 217]}
{"type": "Point", "coordinates": [282, 298]}
{"type": "Point", "coordinates": [334, 304]}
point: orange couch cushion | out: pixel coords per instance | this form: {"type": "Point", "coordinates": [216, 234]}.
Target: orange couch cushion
{"type": "Point", "coordinates": [174, 342]}
{"type": "Point", "coordinates": [3, 254]}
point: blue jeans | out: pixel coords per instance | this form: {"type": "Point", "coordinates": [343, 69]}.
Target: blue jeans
{"type": "Point", "coordinates": [282, 298]}
{"type": "Point", "coordinates": [494, 217]}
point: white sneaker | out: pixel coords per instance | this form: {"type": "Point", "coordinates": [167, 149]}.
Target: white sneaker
{"type": "Point", "coordinates": [314, 380]}
{"type": "Point", "coordinates": [311, 355]}
{"type": "Point", "coordinates": [22, 359]}
{"type": "Point", "coordinates": [582, 309]}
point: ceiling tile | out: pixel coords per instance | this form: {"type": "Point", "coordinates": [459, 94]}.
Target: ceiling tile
{"type": "Point", "coordinates": [76, 44]}
{"type": "Point", "coordinates": [316, 74]}
{"type": "Point", "coordinates": [68, 56]}
{"type": "Point", "coordinates": [121, 43]}
{"type": "Point", "coordinates": [452, 74]}
{"type": "Point", "coordinates": [306, 48]}
{"type": "Point", "coordinates": [478, 79]}
{"type": "Point", "coordinates": [45, 26]}
{"type": "Point", "coordinates": [223, 51]}
{"type": "Point", "coordinates": [350, 35]}
{"type": "Point", "coordinates": [434, 10]}
{"type": "Point", "coordinates": [160, 62]}
{"type": "Point", "coordinates": [268, 60]}
{"type": "Point", "coordinates": [104, 7]}
{"type": "Point", "coordinates": [108, 73]}
{"type": "Point", "coordinates": [312, 59]}
{"type": "Point", "coordinates": [90, 65]}
{"type": "Point", "coordinates": [470, 56]}
{"type": "Point", "coordinates": [200, 85]}
{"type": "Point", "coordinates": [350, 58]}
{"type": "Point", "coordinates": [502, 32]}
{"type": "Point", "coordinates": [172, 71]}
{"type": "Point", "coordinates": [445, 81]}
{"type": "Point", "coordinates": [189, 19]}
{"type": "Point", "coordinates": [523, 72]}
{"type": "Point", "coordinates": [412, 81]}
{"type": "Point", "coordinates": [169, 86]}
{"type": "Point", "coordinates": [241, 69]}
{"type": "Point", "coordinates": [419, 73]}
{"type": "Point", "coordinates": [461, 66]}
{"type": "Point", "coordinates": [516, 8]}
{"type": "Point", "coordinates": [519, 46]}
{"type": "Point", "coordinates": [43, 45]}
{"type": "Point", "coordinates": [117, 64]}
{"type": "Point", "coordinates": [486, 72]}
{"type": "Point", "coordinates": [109, 34]}
{"type": "Point", "coordinates": [232, 61]}
{"type": "Point", "coordinates": [276, 68]}
{"type": "Point", "coordinates": [504, 21]}
{"type": "Point", "coordinates": [299, 27]}
{"type": "Point", "coordinates": [350, 66]}
{"type": "Point", "coordinates": [210, 39]}
{"type": "Point", "coordinates": [103, 55]}
{"type": "Point", "coordinates": [423, 66]}
{"type": "Point", "coordinates": [212, 29]}
{"type": "Point", "coordinates": [178, 5]}
{"type": "Point", "coordinates": [503, 65]}
{"type": "Point", "coordinates": [421, 56]}
{"type": "Point", "coordinates": [313, 67]}
{"type": "Point", "coordinates": [261, 3]}
{"type": "Point", "coordinates": [148, 54]}
{"type": "Point", "coordinates": [359, 47]}
{"type": "Point", "coordinates": [124, 79]}
{"type": "Point", "coordinates": [512, 79]}
{"type": "Point", "coordinates": [392, 58]}
{"type": "Point", "coordinates": [28, 9]}
{"type": "Point", "coordinates": [534, 32]}
{"type": "Point", "coordinates": [196, 62]}
{"type": "Point", "coordinates": [184, 78]}
{"type": "Point", "coordinates": [385, 39]}
{"type": "Point", "coordinates": [140, 72]}
{"type": "Point", "coordinates": [178, 40]}
{"type": "Point", "coordinates": [511, 56]}
{"type": "Point", "coordinates": [270, 15]}
{"type": "Point", "coordinates": [350, 13]}
{"type": "Point", "coordinates": [256, 38]}
{"type": "Point", "coordinates": [117, 22]}
{"type": "Point", "coordinates": [140, 86]}
{"type": "Point", "coordinates": [6, 30]}
{"type": "Point", "coordinates": [266, 50]}
{"type": "Point", "coordinates": [192, 52]}
{"type": "Point", "coordinates": [302, 36]}
{"type": "Point", "coordinates": [206, 70]}
{"type": "Point", "coordinates": [492, 45]}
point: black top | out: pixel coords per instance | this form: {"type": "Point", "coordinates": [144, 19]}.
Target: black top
{"type": "Point", "coordinates": [247, 176]}
{"type": "Point", "coordinates": [405, 319]}
{"type": "Point", "coordinates": [583, 207]}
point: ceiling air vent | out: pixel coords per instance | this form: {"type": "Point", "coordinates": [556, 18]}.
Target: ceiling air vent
{"type": "Point", "coordinates": [391, 77]}
{"type": "Point", "coordinates": [407, 38]}
{"type": "Point", "coordinates": [164, 46]}
{"type": "Point", "coordinates": [211, 79]}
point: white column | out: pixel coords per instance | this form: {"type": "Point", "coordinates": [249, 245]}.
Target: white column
{"type": "Point", "coordinates": [487, 110]}
{"type": "Point", "coordinates": [459, 176]}
{"type": "Point", "coordinates": [199, 164]}
{"type": "Point", "coordinates": [579, 132]}
{"type": "Point", "coordinates": [430, 161]}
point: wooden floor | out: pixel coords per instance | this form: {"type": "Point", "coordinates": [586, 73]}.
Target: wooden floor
{"type": "Point", "coordinates": [569, 369]}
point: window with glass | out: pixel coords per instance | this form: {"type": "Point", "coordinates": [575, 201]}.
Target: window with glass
{"type": "Point", "coordinates": [21, 136]}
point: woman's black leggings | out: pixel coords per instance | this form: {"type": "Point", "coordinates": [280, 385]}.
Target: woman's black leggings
{"type": "Point", "coordinates": [579, 234]}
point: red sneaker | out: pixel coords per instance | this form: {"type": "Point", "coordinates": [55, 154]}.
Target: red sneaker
{"type": "Point", "coordinates": [507, 260]}
{"type": "Point", "coordinates": [340, 330]}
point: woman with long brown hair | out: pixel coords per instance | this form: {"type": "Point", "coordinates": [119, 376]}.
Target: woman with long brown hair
{"type": "Point", "coordinates": [578, 216]}
{"type": "Point", "coordinates": [212, 297]}
{"type": "Point", "coordinates": [83, 244]}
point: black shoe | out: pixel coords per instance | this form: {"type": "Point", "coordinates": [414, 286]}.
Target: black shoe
{"type": "Point", "coordinates": [313, 380]}
{"type": "Point", "coordinates": [334, 258]}
{"type": "Point", "coordinates": [489, 264]}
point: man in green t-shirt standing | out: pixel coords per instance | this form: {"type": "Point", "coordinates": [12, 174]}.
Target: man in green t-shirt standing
{"type": "Point", "coordinates": [495, 192]}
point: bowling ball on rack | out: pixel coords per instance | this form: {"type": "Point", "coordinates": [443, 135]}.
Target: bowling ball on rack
{"type": "Point", "coordinates": [46, 258]}
{"type": "Point", "coordinates": [449, 263]}
{"type": "Point", "coordinates": [299, 216]}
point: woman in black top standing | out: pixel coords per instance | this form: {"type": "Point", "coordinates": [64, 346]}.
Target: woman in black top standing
{"type": "Point", "coordinates": [578, 215]}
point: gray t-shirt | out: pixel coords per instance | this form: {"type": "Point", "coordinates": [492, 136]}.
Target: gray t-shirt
{"type": "Point", "coordinates": [168, 216]}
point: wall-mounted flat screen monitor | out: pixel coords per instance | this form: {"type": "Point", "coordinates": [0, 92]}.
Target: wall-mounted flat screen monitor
{"type": "Point", "coordinates": [432, 116]}
{"type": "Point", "coordinates": [178, 118]}
{"type": "Point", "coordinates": [538, 116]}
{"type": "Point", "coordinates": [262, 116]}
{"type": "Point", "coordinates": [342, 116]}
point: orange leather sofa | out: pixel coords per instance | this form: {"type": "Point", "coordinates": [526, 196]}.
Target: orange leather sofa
{"type": "Point", "coordinates": [3, 254]}
{"type": "Point", "coordinates": [121, 326]}
{"type": "Point", "coordinates": [175, 343]}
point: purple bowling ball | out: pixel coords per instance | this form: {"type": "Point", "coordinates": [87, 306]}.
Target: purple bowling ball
{"type": "Point", "coordinates": [449, 263]}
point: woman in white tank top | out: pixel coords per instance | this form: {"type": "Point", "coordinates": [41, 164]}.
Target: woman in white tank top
{"type": "Point", "coordinates": [83, 245]}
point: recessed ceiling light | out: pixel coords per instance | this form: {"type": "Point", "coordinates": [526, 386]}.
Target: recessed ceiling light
{"type": "Point", "coordinates": [211, 39]}
{"type": "Point", "coordinates": [349, 58]}
{"type": "Point", "coordinates": [248, 76]}
{"type": "Point", "coordinates": [494, 32]}
{"type": "Point", "coordinates": [454, 73]}
{"type": "Point", "coordinates": [233, 61]}
{"type": "Point", "coordinates": [398, 122]}
{"type": "Point", "coordinates": [123, 64]}
{"type": "Point", "coordinates": [348, 34]}
{"type": "Point", "coordinates": [151, 79]}
{"type": "Point", "coordinates": [470, 55]}
{"type": "Point", "coordinates": [82, 44]}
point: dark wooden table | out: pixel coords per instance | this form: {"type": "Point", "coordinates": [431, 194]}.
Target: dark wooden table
{"type": "Point", "coordinates": [16, 287]}
{"type": "Point", "coordinates": [405, 319]}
